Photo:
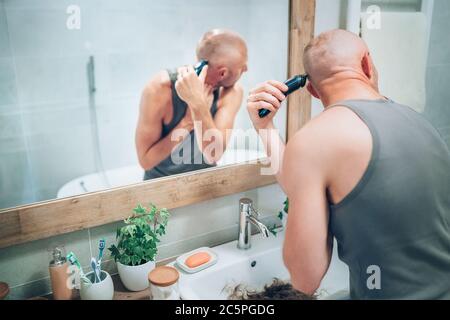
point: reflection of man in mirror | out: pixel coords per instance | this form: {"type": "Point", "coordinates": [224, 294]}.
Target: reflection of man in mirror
{"type": "Point", "coordinates": [182, 100]}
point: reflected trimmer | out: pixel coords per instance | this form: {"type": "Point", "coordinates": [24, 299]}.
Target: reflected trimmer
{"type": "Point", "coordinates": [293, 84]}
{"type": "Point", "coordinates": [199, 66]}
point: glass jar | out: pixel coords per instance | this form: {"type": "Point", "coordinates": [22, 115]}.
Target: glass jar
{"type": "Point", "coordinates": [164, 283]}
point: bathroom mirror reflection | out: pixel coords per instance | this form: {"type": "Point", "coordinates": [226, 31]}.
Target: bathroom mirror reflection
{"type": "Point", "coordinates": [78, 78]}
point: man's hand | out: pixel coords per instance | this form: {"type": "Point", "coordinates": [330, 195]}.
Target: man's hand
{"type": "Point", "coordinates": [267, 95]}
{"type": "Point", "coordinates": [193, 90]}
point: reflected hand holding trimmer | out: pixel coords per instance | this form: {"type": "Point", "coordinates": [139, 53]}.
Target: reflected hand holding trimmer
{"type": "Point", "coordinates": [293, 84]}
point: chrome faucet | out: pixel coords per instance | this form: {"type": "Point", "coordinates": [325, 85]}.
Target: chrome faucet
{"type": "Point", "coordinates": [247, 217]}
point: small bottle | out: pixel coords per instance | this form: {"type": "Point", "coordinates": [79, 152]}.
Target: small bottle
{"type": "Point", "coordinates": [59, 276]}
{"type": "Point", "coordinates": [164, 283]}
{"type": "Point", "coordinates": [4, 290]}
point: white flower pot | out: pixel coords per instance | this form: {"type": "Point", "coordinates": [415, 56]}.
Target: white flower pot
{"type": "Point", "coordinates": [135, 278]}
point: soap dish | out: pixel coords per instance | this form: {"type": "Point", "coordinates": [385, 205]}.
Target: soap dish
{"type": "Point", "coordinates": [181, 260]}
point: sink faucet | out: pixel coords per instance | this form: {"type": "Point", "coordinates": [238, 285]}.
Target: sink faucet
{"type": "Point", "coordinates": [248, 216]}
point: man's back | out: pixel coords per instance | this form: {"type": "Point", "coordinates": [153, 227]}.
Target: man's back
{"type": "Point", "coordinates": [393, 228]}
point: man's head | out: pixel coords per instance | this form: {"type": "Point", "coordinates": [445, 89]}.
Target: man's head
{"type": "Point", "coordinates": [226, 53]}
{"type": "Point", "coordinates": [338, 55]}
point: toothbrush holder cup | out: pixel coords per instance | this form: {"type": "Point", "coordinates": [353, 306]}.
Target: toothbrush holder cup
{"type": "Point", "coordinates": [103, 290]}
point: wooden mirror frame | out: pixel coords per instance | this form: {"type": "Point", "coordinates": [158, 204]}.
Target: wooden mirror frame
{"type": "Point", "coordinates": [54, 217]}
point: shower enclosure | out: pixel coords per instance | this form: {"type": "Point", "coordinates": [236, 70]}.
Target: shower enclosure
{"type": "Point", "coordinates": [438, 70]}
{"type": "Point", "coordinates": [436, 62]}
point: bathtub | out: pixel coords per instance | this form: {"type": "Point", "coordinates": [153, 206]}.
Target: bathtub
{"type": "Point", "coordinates": [134, 174]}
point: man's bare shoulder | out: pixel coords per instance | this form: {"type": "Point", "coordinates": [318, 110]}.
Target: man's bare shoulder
{"type": "Point", "coordinates": [157, 92]}
{"type": "Point", "coordinates": [236, 89]}
{"type": "Point", "coordinates": [335, 133]}
{"type": "Point", "coordinates": [160, 81]}
{"type": "Point", "coordinates": [231, 96]}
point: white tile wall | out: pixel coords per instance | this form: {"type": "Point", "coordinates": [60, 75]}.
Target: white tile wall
{"type": "Point", "coordinates": [8, 91]}
{"type": "Point", "coordinates": [438, 70]}
{"type": "Point", "coordinates": [5, 50]}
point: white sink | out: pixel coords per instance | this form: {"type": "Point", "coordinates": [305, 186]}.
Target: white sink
{"type": "Point", "coordinates": [254, 268]}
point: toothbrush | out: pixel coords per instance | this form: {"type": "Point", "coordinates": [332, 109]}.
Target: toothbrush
{"type": "Point", "coordinates": [101, 247]}
{"type": "Point", "coordinates": [72, 258]}
{"type": "Point", "coordinates": [94, 267]}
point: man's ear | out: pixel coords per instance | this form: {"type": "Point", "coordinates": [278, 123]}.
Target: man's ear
{"type": "Point", "coordinates": [312, 91]}
{"type": "Point", "coordinates": [223, 72]}
{"type": "Point", "coordinates": [366, 65]}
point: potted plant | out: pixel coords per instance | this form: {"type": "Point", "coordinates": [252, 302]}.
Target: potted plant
{"type": "Point", "coordinates": [137, 245]}
{"type": "Point", "coordinates": [282, 215]}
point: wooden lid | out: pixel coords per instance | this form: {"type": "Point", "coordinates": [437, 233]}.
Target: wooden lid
{"type": "Point", "coordinates": [163, 276]}
{"type": "Point", "coordinates": [4, 290]}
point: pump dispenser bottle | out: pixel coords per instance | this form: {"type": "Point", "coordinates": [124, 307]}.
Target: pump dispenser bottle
{"type": "Point", "coordinates": [59, 276]}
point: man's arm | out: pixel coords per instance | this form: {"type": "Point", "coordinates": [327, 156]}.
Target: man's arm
{"type": "Point", "coordinates": [223, 122]}
{"type": "Point", "coordinates": [307, 246]}
{"type": "Point", "coordinates": [268, 95]}
{"type": "Point", "coordinates": [151, 149]}
{"type": "Point", "coordinates": [192, 89]}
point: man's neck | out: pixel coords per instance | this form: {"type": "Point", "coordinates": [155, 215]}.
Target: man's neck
{"type": "Point", "coordinates": [351, 89]}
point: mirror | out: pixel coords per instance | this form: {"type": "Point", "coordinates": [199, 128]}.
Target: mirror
{"type": "Point", "coordinates": [73, 76]}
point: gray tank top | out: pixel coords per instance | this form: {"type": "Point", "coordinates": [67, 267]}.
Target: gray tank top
{"type": "Point", "coordinates": [396, 221]}
{"type": "Point", "coordinates": [195, 159]}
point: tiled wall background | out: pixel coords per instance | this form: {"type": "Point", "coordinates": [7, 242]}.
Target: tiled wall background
{"type": "Point", "coordinates": [45, 130]}
{"type": "Point", "coordinates": [394, 5]}
{"type": "Point", "coordinates": [438, 70]}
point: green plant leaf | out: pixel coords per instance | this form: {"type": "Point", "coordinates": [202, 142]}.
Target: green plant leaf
{"type": "Point", "coordinates": [137, 240]}
{"type": "Point", "coordinates": [125, 259]}
{"type": "Point", "coordinates": [139, 210]}
{"type": "Point", "coordinates": [164, 214]}
{"type": "Point", "coordinates": [135, 260]}
{"type": "Point", "coordinates": [286, 205]}
{"type": "Point", "coordinates": [152, 212]}
{"type": "Point", "coordinates": [280, 215]}
{"type": "Point", "coordinates": [139, 251]}
{"type": "Point", "coordinates": [151, 253]}
{"type": "Point", "coordinates": [161, 230]}
{"type": "Point", "coordinates": [273, 230]}
{"type": "Point", "coordinates": [115, 253]}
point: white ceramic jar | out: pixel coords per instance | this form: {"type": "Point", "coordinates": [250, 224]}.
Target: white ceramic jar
{"type": "Point", "coordinates": [164, 283]}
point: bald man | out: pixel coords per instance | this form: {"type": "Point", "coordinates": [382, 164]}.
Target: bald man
{"type": "Point", "coordinates": [178, 107]}
{"type": "Point", "coordinates": [368, 171]}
